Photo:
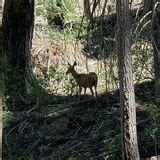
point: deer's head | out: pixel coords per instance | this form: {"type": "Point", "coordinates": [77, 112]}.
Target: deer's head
{"type": "Point", "coordinates": [71, 67]}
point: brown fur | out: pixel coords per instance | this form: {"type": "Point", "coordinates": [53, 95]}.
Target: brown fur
{"type": "Point", "coordinates": [84, 80]}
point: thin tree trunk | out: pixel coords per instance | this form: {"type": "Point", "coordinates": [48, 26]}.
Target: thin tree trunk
{"type": "Point", "coordinates": [1, 90]}
{"type": "Point", "coordinates": [156, 51]}
{"type": "Point", "coordinates": [18, 18]}
{"type": "Point", "coordinates": [87, 9]}
{"type": "Point", "coordinates": [127, 96]}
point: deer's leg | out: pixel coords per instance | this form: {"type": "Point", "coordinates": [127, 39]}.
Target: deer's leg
{"type": "Point", "coordinates": [95, 87]}
{"type": "Point", "coordinates": [85, 92]}
{"type": "Point", "coordinates": [80, 90]}
{"type": "Point", "coordinates": [91, 91]}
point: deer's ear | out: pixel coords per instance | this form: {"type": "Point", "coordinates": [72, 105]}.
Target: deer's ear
{"type": "Point", "coordinates": [75, 63]}
{"type": "Point", "coordinates": [69, 64]}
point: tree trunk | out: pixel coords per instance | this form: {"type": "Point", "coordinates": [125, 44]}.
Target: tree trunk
{"type": "Point", "coordinates": [127, 96]}
{"type": "Point", "coordinates": [156, 51]}
{"type": "Point", "coordinates": [18, 22]}
{"type": "Point", "coordinates": [87, 9]}
{"type": "Point", "coordinates": [1, 84]}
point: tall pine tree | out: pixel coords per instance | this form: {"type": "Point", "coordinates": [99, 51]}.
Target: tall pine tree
{"type": "Point", "coordinates": [127, 96]}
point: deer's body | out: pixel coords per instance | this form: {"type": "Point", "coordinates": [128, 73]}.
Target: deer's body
{"type": "Point", "coordinates": [84, 80]}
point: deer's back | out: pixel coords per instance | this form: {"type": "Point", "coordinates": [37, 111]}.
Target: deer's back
{"type": "Point", "coordinates": [87, 80]}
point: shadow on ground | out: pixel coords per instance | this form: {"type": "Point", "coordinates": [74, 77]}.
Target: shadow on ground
{"type": "Point", "coordinates": [60, 127]}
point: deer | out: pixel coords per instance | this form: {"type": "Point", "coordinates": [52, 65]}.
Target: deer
{"type": "Point", "coordinates": [84, 80]}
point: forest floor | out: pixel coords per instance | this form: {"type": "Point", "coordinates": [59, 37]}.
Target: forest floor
{"type": "Point", "coordinates": [56, 127]}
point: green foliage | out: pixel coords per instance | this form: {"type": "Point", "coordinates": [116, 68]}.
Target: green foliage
{"type": "Point", "coordinates": [5, 106]}
{"type": "Point", "coordinates": [61, 151]}
{"type": "Point", "coordinates": [151, 130]}
{"type": "Point", "coordinates": [57, 82]}
{"type": "Point", "coordinates": [60, 7]}
{"type": "Point", "coordinates": [72, 31]}
{"type": "Point", "coordinates": [113, 144]}
{"type": "Point", "coordinates": [15, 86]}
{"type": "Point", "coordinates": [142, 58]}
{"type": "Point", "coordinates": [60, 13]}
{"type": "Point", "coordinates": [65, 23]}
{"type": "Point", "coordinates": [7, 117]}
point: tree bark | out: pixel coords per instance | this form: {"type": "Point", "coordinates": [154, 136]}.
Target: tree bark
{"type": "Point", "coordinates": [156, 51]}
{"type": "Point", "coordinates": [127, 96]}
{"type": "Point", "coordinates": [18, 22]}
{"type": "Point", "coordinates": [87, 9]}
{"type": "Point", "coordinates": [1, 90]}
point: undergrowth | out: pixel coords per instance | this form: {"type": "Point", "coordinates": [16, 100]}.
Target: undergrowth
{"type": "Point", "coordinates": [59, 128]}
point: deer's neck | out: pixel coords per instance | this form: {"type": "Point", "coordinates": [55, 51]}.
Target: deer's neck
{"type": "Point", "coordinates": [75, 74]}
